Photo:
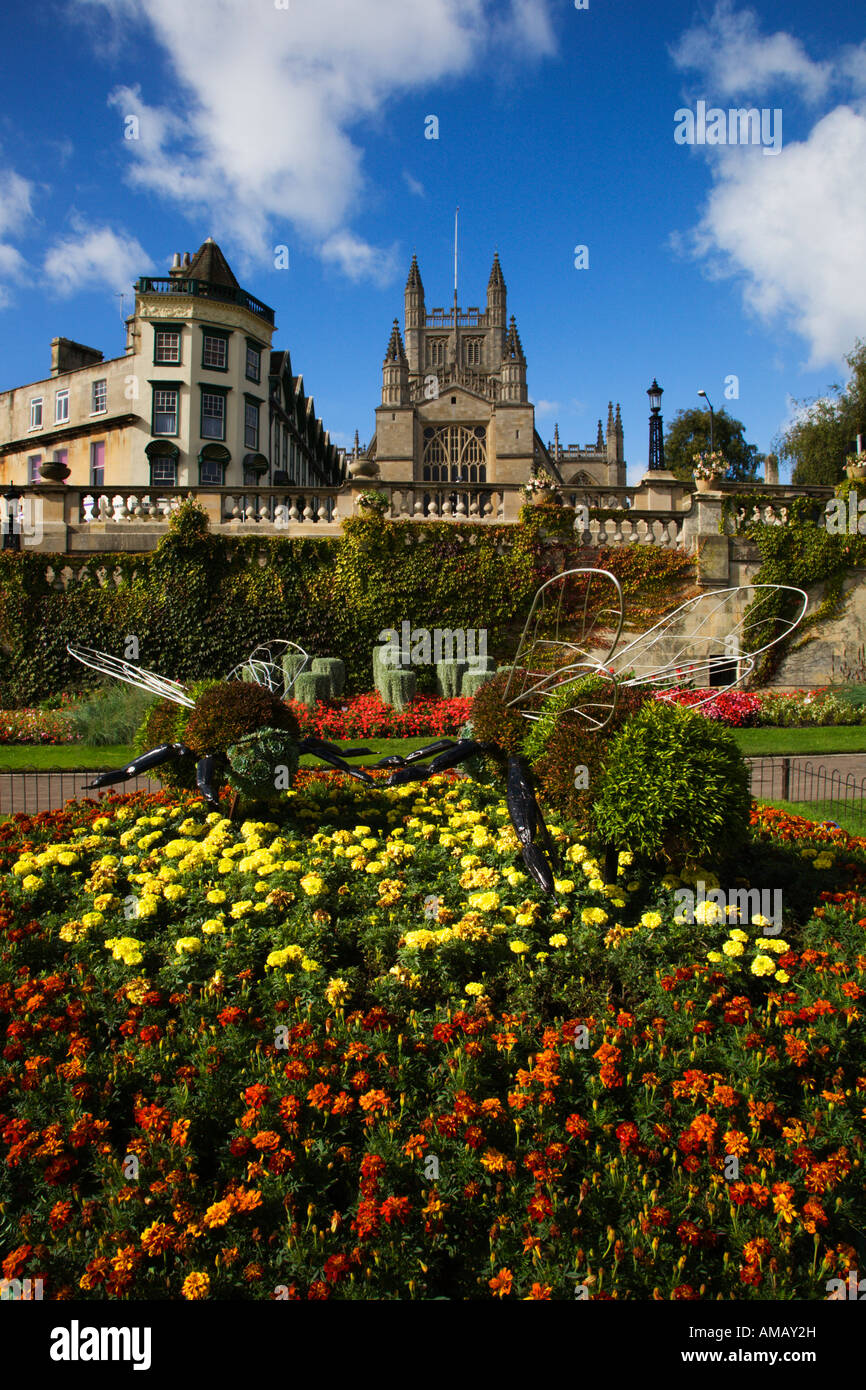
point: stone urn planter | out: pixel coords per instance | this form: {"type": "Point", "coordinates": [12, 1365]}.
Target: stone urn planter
{"type": "Point", "coordinates": [53, 472]}
{"type": "Point", "coordinates": [855, 471]}
{"type": "Point", "coordinates": [706, 484]}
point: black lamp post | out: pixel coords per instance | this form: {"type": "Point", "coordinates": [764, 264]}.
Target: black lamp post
{"type": "Point", "coordinates": [11, 529]}
{"type": "Point", "coordinates": [656, 439]}
{"type": "Point", "coordinates": [707, 399]}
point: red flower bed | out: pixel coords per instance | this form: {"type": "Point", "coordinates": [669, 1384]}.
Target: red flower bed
{"type": "Point", "coordinates": [735, 708]}
{"type": "Point", "coordinates": [365, 716]}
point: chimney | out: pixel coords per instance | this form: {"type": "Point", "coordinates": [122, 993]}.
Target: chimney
{"type": "Point", "coordinates": [69, 356]}
{"type": "Point", "coordinates": [186, 260]}
{"type": "Point", "coordinates": [175, 265]}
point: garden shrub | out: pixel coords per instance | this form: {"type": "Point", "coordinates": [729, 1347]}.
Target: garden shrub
{"type": "Point", "coordinates": [110, 714]}
{"type": "Point", "coordinates": [493, 721]}
{"type": "Point", "coordinates": [165, 722]}
{"type": "Point", "coordinates": [255, 759]}
{"type": "Point", "coordinates": [310, 687]}
{"type": "Point", "coordinates": [571, 744]}
{"type": "Point", "coordinates": [335, 670]}
{"type": "Point", "coordinates": [473, 681]}
{"type": "Point", "coordinates": [674, 786]}
{"type": "Point", "coordinates": [228, 710]}
{"type": "Point", "coordinates": [449, 677]}
{"type": "Point", "coordinates": [400, 687]}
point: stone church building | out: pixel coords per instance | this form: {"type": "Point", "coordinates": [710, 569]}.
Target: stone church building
{"type": "Point", "coordinates": [455, 405]}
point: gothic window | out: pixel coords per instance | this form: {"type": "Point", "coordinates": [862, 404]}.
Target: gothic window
{"type": "Point", "coordinates": [472, 352]}
{"type": "Point", "coordinates": [455, 454]}
{"type": "Point", "coordinates": [436, 352]}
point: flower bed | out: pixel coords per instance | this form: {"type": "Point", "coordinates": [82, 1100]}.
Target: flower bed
{"type": "Point", "coordinates": [353, 1053]}
{"type": "Point", "coordinates": [743, 709]}
{"type": "Point", "coordinates": [366, 716]}
{"type": "Point", "coordinates": [36, 726]}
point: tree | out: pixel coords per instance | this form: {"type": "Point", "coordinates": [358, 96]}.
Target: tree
{"type": "Point", "coordinates": [826, 430]}
{"type": "Point", "coordinates": [689, 434]}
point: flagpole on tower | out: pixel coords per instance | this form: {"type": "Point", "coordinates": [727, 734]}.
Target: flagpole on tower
{"type": "Point", "coordinates": [457, 210]}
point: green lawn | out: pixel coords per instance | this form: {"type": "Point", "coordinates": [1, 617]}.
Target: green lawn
{"type": "Point", "coordinates": [802, 742]}
{"type": "Point", "coordinates": [15, 757]}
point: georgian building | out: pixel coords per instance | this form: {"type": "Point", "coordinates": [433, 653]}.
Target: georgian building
{"type": "Point", "coordinates": [199, 397]}
{"type": "Point", "coordinates": [455, 405]}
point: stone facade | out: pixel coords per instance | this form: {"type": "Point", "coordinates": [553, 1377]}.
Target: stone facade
{"type": "Point", "coordinates": [198, 399]}
{"type": "Point", "coordinates": [455, 406]}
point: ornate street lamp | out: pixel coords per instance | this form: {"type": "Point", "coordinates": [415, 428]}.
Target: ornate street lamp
{"type": "Point", "coordinates": [656, 439]}
{"type": "Point", "coordinates": [707, 399]}
{"type": "Point", "coordinates": [11, 528]}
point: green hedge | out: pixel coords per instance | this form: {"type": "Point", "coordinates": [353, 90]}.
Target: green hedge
{"type": "Point", "coordinates": [199, 602]}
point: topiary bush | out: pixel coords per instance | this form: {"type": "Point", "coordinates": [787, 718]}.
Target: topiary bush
{"type": "Point", "coordinates": [449, 676]}
{"type": "Point", "coordinates": [559, 744]}
{"type": "Point", "coordinates": [165, 722]}
{"type": "Point", "coordinates": [473, 681]}
{"type": "Point", "coordinates": [494, 722]}
{"type": "Point", "coordinates": [293, 664]}
{"type": "Point", "coordinates": [674, 787]}
{"type": "Point", "coordinates": [228, 710]}
{"type": "Point", "coordinates": [255, 760]}
{"type": "Point", "coordinates": [335, 670]}
{"type": "Point", "coordinates": [310, 687]}
{"type": "Point", "coordinates": [400, 688]}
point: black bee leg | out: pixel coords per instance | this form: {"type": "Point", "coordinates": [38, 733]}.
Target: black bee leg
{"type": "Point", "coordinates": [526, 818]}
{"type": "Point", "coordinates": [329, 754]}
{"type": "Point", "coordinates": [204, 772]}
{"type": "Point", "coordinates": [164, 753]}
{"type": "Point", "coordinates": [457, 753]}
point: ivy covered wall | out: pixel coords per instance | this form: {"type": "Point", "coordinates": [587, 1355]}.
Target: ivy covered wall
{"type": "Point", "coordinates": [199, 603]}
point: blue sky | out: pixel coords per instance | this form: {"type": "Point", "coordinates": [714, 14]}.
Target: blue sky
{"type": "Point", "coordinates": [304, 126]}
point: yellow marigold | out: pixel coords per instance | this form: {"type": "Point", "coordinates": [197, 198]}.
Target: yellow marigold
{"type": "Point", "coordinates": [106, 901]}
{"type": "Point", "coordinates": [715, 956]}
{"type": "Point", "coordinates": [484, 902]}
{"type": "Point", "coordinates": [763, 965]}
{"type": "Point", "coordinates": [241, 909]}
{"type": "Point", "coordinates": [307, 964]}
{"type": "Point", "coordinates": [213, 925]}
{"type": "Point", "coordinates": [337, 992]}
{"type": "Point", "coordinates": [173, 892]}
{"type": "Point", "coordinates": [473, 988]}
{"type": "Point", "coordinates": [733, 948]}
{"type": "Point", "coordinates": [518, 947]}
{"type": "Point", "coordinates": [593, 916]}
{"type": "Point", "coordinates": [738, 935]}
{"type": "Point", "coordinates": [651, 919]}
{"type": "Point", "coordinates": [575, 854]}
{"type": "Point", "coordinates": [782, 976]}
{"type": "Point", "coordinates": [778, 947]}
{"type": "Point", "coordinates": [558, 939]}
{"type": "Point", "coordinates": [196, 1285]}
{"type": "Point", "coordinates": [564, 885]}
{"type": "Point", "coordinates": [31, 883]}
{"type": "Point", "coordinates": [187, 945]}
{"type": "Point", "coordinates": [313, 884]}
{"type": "Point", "coordinates": [708, 913]}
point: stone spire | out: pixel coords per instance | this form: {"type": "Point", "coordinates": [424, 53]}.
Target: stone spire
{"type": "Point", "coordinates": [496, 295]}
{"type": "Point", "coordinates": [557, 453]}
{"type": "Point", "coordinates": [395, 371]}
{"type": "Point", "coordinates": [599, 442]}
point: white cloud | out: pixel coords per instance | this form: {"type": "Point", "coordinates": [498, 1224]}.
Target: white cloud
{"type": "Point", "coordinates": [793, 227]}
{"type": "Point", "coordinates": [413, 185]}
{"type": "Point", "coordinates": [735, 58]}
{"type": "Point", "coordinates": [94, 256]}
{"type": "Point", "coordinates": [546, 407]}
{"type": "Point", "coordinates": [16, 195]}
{"type": "Point", "coordinates": [357, 259]}
{"type": "Point", "coordinates": [263, 126]}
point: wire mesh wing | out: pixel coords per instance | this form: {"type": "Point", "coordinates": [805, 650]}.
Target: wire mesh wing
{"type": "Point", "coordinates": [275, 665]}
{"type": "Point", "coordinates": [133, 675]}
{"type": "Point", "coordinates": [572, 629]}
{"type": "Point", "coordinates": [706, 649]}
